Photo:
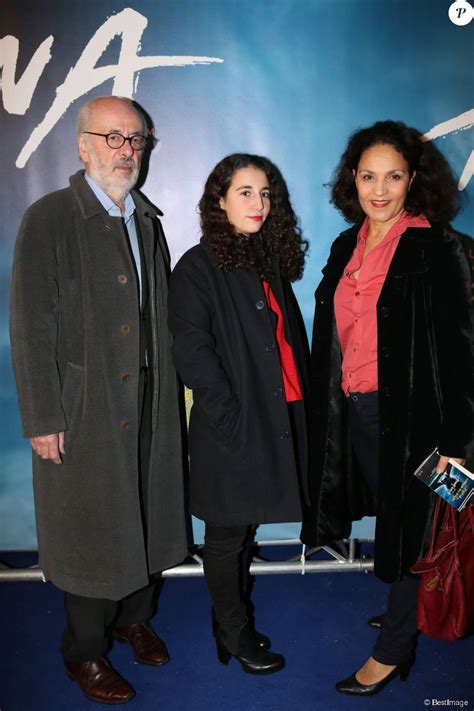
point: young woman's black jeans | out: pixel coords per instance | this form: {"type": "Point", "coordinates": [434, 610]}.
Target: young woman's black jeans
{"type": "Point", "coordinates": [227, 558]}
{"type": "Point", "coordinates": [397, 638]}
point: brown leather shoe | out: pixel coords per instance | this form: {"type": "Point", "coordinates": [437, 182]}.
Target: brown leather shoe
{"type": "Point", "coordinates": [99, 681]}
{"type": "Point", "coordinates": [147, 646]}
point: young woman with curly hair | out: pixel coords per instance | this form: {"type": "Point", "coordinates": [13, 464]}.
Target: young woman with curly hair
{"type": "Point", "coordinates": [391, 372]}
{"type": "Point", "coordinates": [240, 345]}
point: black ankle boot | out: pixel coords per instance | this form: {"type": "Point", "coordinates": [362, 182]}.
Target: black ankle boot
{"type": "Point", "coordinates": [243, 645]}
{"type": "Point", "coordinates": [262, 639]}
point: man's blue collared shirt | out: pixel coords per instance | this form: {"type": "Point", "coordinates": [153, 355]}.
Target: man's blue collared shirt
{"type": "Point", "coordinates": [129, 221]}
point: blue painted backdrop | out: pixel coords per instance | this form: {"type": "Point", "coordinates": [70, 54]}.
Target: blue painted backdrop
{"type": "Point", "coordinates": [288, 78]}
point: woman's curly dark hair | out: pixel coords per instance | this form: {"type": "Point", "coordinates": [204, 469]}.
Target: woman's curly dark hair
{"type": "Point", "coordinates": [433, 191]}
{"type": "Point", "coordinates": [280, 234]}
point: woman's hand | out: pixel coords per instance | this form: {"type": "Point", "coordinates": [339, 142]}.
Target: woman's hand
{"type": "Point", "coordinates": [443, 463]}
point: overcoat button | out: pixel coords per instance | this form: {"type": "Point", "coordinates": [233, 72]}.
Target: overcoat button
{"type": "Point", "coordinates": [385, 352]}
{"type": "Point", "coordinates": [124, 425]}
{"type": "Point", "coordinates": [385, 432]}
{"type": "Point", "coordinates": [122, 279]}
{"type": "Point", "coordinates": [107, 228]}
{"type": "Point", "coordinates": [278, 392]}
{"type": "Point", "coordinates": [284, 434]}
{"type": "Point", "coordinates": [386, 391]}
{"type": "Point", "coordinates": [385, 311]}
{"type": "Point", "coordinates": [260, 305]}
{"type": "Point", "coordinates": [125, 377]}
{"type": "Point", "coordinates": [125, 328]}
{"type": "Point", "coordinates": [270, 348]}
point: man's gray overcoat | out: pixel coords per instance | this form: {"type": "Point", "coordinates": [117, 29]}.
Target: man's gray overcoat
{"type": "Point", "coordinates": [75, 345]}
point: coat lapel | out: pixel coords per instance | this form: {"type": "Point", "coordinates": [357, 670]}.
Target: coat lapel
{"type": "Point", "coordinates": [340, 255]}
{"type": "Point", "coordinates": [408, 257]}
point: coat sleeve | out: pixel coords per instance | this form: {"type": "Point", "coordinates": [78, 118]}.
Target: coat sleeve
{"type": "Point", "coordinates": [452, 322]}
{"type": "Point", "coordinates": [34, 327]}
{"type": "Point", "coordinates": [190, 316]}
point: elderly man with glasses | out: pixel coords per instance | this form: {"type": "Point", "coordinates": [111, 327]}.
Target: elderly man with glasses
{"type": "Point", "coordinates": [99, 398]}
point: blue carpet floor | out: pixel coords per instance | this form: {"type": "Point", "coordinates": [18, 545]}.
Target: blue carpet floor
{"type": "Point", "coordinates": [317, 621]}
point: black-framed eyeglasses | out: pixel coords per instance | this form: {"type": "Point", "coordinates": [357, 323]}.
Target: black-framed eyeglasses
{"type": "Point", "coordinates": [116, 140]}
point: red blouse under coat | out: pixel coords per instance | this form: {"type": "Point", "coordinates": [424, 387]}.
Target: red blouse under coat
{"type": "Point", "coordinates": [355, 302]}
{"type": "Point", "coordinates": [288, 366]}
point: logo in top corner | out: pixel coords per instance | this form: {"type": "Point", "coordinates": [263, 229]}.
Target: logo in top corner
{"type": "Point", "coordinates": [461, 12]}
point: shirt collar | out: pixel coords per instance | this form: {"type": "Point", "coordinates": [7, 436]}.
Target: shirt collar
{"type": "Point", "coordinates": [403, 223]}
{"type": "Point", "coordinates": [107, 202]}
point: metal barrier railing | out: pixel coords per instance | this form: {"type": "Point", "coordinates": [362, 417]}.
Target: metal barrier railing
{"type": "Point", "coordinates": [342, 559]}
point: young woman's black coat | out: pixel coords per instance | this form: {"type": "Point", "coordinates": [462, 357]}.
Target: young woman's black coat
{"type": "Point", "coordinates": [425, 394]}
{"type": "Point", "coordinates": [241, 441]}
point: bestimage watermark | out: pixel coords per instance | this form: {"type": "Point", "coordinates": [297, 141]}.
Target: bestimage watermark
{"type": "Point", "coordinates": [455, 703]}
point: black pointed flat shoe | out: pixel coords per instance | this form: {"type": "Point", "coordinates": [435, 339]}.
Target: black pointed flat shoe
{"type": "Point", "coordinates": [375, 622]}
{"type": "Point", "coordinates": [355, 688]}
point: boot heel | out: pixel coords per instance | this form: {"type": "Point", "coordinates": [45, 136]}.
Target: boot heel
{"type": "Point", "coordinates": [405, 671]}
{"type": "Point", "coordinates": [223, 654]}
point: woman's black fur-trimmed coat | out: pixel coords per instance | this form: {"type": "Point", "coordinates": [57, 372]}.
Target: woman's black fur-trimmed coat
{"type": "Point", "coordinates": [425, 394]}
{"type": "Point", "coordinates": [241, 441]}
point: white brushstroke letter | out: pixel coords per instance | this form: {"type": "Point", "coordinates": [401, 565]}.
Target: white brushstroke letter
{"type": "Point", "coordinates": [85, 75]}
{"type": "Point", "coordinates": [17, 96]}
{"type": "Point", "coordinates": [458, 123]}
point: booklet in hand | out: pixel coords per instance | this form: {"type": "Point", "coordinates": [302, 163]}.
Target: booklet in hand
{"type": "Point", "coordinates": [455, 485]}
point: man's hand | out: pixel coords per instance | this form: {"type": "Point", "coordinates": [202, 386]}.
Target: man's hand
{"type": "Point", "coordinates": [49, 446]}
{"type": "Point", "coordinates": [443, 463]}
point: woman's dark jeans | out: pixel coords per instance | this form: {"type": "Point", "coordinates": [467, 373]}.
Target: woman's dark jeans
{"type": "Point", "coordinates": [227, 558]}
{"type": "Point", "coordinates": [397, 638]}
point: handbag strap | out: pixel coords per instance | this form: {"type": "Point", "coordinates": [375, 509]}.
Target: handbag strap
{"type": "Point", "coordinates": [455, 522]}
{"type": "Point", "coordinates": [435, 528]}
{"type": "Point", "coordinates": [443, 514]}
{"type": "Point", "coordinates": [471, 516]}
{"type": "Point", "coordinates": [454, 515]}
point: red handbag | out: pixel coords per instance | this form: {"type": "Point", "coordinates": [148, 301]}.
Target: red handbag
{"type": "Point", "coordinates": [446, 594]}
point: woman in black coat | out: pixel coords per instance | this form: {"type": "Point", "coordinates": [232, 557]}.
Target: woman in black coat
{"type": "Point", "coordinates": [240, 345]}
{"type": "Point", "coordinates": [392, 326]}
